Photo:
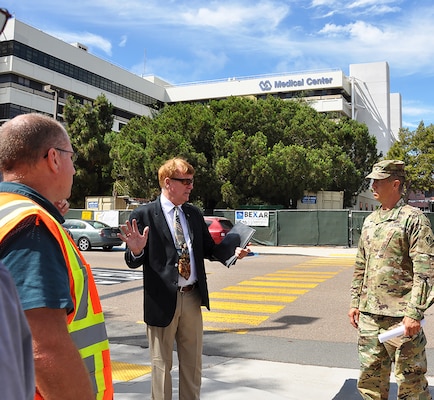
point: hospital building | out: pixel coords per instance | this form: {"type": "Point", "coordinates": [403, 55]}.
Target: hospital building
{"type": "Point", "coordinates": [39, 71]}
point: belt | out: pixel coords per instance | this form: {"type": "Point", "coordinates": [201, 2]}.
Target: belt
{"type": "Point", "coordinates": [188, 288]}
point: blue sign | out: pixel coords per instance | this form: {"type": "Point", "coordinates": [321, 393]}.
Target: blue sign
{"type": "Point", "coordinates": [92, 205]}
{"type": "Point", "coordinates": [308, 200]}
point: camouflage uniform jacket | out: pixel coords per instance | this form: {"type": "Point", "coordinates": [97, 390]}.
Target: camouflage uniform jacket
{"type": "Point", "coordinates": [394, 269]}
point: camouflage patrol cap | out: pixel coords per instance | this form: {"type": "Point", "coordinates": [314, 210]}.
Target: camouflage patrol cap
{"type": "Point", "coordinates": [386, 168]}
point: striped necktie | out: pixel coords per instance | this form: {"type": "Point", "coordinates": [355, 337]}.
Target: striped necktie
{"type": "Point", "coordinates": [184, 255]}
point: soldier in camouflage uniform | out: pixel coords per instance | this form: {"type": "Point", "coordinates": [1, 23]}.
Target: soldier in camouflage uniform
{"type": "Point", "coordinates": [392, 284]}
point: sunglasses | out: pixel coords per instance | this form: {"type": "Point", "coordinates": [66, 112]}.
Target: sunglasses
{"type": "Point", "coordinates": [74, 156]}
{"type": "Point", "coordinates": [184, 181]}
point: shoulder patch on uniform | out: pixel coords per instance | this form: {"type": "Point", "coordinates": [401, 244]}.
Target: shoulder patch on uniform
{"type": "Point", "coordinates": [429, 240]}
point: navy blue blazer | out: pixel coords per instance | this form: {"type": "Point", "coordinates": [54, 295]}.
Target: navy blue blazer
{"type": "Point", "coordinates": [160, 260]}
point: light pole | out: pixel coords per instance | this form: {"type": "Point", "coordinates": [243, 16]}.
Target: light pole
{"type": "Point", "coordinates": [53, 90]}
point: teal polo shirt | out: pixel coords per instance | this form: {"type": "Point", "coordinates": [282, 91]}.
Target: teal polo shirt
{"type": "Point", "coordinates": [34, 258]}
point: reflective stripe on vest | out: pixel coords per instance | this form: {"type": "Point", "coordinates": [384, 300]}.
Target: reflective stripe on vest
{"type": "Point", "coordinates": [86, 322]}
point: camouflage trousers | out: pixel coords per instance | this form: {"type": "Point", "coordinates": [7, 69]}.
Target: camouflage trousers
{"type": "Point", "coordinates": [407, 353]}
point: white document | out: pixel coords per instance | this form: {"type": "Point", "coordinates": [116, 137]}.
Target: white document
{"type": "Point", "coordinates": [393, 333]}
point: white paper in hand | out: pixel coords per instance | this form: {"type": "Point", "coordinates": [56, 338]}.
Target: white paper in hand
{"type": "Point", "coordinates": [393, 333]}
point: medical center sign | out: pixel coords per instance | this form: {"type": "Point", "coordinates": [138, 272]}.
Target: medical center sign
{"type": "Point", "coordinates": [252, 217]}
{"type": "Point", "coordinates": [267, 85]}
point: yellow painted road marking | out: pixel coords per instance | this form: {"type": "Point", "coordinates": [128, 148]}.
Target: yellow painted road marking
{"type": "Point", "coordinates": [305, 273]}
{"type": "Point", "coordinates": [125, 372]}
{"type": "Point", "coordinates": [234, 318]}
{"type": "Point", "coordinates": [300, 276]}
{"type": "Point", "coordinates": [227, 330]}
{"type": "Point", "coordinates": [253, 297]}
{"type": "Point", "coordinates": [278, 288]}
{"type": "Point", "coordinates": [329, 261]}
{"type": "Point", "coordinates": [249, 307]}
{"type": "Point", "coordinates": [269, 289]}
{"type": "Point", "coordinates": [290, 279]}
{"type": "Point", "coordinates": [318, 261]}
{"type": "Point", "coordinates": [279, 284]}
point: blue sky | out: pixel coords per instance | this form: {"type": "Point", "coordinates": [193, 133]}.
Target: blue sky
{"type": "Point", "coordinates": [192, 40]}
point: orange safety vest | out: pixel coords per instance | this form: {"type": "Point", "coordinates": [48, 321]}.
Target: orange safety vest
{"type": "Point", "coordinates": [86, 323]}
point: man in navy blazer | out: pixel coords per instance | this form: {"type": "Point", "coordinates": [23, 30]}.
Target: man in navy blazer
{"type": "Point", "coordinates": [172, 303]}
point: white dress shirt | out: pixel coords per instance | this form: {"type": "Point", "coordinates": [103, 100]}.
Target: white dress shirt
{"type": "Point", "coordinates": [169, 211]}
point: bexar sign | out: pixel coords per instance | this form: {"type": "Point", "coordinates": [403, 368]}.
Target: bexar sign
{"type": "Point", "coordinates": [266, 85]}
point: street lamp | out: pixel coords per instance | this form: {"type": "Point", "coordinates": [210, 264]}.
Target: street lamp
{"type": "Point", "coordinates": [53, 90]}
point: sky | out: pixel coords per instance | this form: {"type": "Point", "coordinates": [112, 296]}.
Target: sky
{"type": "Point", "coordinates": [184, 41]}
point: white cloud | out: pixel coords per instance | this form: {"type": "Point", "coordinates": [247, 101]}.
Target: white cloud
{"type": "Point", "coordinates": [270, 28]}
{"type": "Point", "coordinates": [416, 109]}
{"type": "Point", "coordinates": [344, 4]}
{"type": "Point", "coordinates": [168, 68]}
{"type": "Point", "coordinates": [368, 33]}
{"type": "Point", "coordinates": [264, 16]}
{"type": "Point", "coordinates": [89, 39]}
{"type": "Point", "coordinates": [401, 41]}
{"type": "Point", "coordinates": [319, 3]}
{"type": "Point", "coordinates": [174, 69]}
{"type": "Point", "coordinates": [123, 41]}
{"type": "Point", "coordinates": [364, 3]}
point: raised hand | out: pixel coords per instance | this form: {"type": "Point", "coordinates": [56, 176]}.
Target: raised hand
{"type": "Point", "coordinates": [131, 235]}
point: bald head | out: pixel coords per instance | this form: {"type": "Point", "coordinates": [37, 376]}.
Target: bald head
{"type": "Point", "coordinates": [25, 139]}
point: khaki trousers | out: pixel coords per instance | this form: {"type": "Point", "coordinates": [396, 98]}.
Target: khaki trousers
{"type": "Point", "coordinates": [186, 329]}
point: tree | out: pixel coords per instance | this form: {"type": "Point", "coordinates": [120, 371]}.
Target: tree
{"type": "Point", "coordinates": [416, 149]}
{"type": "Point", "coordinates": [246, 151]}
{"type": "Point", "coordinates": [128, 155]}
{"type": "Point", "coordinates": [359, 146]}
{"type": "Point", "coordinates": [235, 168]}
{"type": "Point", "coordinates": [89, 127]}
{"type": "Point", "coordinates": [279, 175]}
{"type": "Point", "coordinates": [181, 130]}
{"type": "Point", "coordinates": [339, 154]}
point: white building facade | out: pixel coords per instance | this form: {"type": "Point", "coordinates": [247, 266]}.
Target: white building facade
{"type": "Point", "coordinates": [38, 72]}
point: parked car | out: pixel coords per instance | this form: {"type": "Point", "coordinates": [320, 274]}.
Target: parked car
{"type": "Point", "coordinates": [88, 234]}
{"type": "Point", "coordinates": [218, 227]}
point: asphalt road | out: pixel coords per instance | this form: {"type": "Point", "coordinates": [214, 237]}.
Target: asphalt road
{"type": "Point", "coordinates": [286, 308]}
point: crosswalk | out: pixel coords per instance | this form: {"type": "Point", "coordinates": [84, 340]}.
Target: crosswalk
{"type": "Point", "coordinates": [109, 276]}
{"type": "Point", "coordinates": [249, 303]}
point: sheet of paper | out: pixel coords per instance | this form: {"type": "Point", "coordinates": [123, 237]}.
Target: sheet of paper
{"type": "Point", "coordinates": [393, 333]}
